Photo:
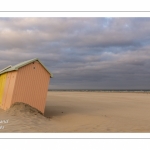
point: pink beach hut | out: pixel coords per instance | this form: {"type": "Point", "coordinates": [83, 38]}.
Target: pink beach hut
{"type": "Point", "coordinates": [26, 82]}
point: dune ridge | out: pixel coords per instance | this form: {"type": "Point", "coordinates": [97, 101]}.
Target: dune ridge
{"type": "Point", "coordinates": [20, 107]}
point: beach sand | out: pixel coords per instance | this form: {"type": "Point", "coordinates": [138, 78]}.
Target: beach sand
{"type": "Point", "coordinates": [81, 112]}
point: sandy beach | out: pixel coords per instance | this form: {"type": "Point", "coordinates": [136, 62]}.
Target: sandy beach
{"type": "Point", "coordinates": [82, 112]}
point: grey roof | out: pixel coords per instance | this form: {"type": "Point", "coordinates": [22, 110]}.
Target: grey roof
{"type": "Point", "coordinates": [22, 64]}
{"type": "Point", "coordinates": [5, 68]}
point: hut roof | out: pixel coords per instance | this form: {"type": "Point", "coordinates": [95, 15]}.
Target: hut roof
{"type": "Point", "coordinates": [22, 64]}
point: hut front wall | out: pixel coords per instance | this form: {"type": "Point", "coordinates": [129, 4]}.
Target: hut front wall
{"type": "Point", "coordinates": [31, 86]}
{"type": "Point", "coordinates": [9, 89]}
{"type": "Point", "coordinates": [3, 78]}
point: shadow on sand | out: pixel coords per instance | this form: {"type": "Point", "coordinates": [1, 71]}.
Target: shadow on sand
{"type": "Point", "coordinates": [52, 111]}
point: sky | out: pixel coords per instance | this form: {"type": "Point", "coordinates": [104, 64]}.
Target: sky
{"type": "Point", "coordinates": [81, 53]}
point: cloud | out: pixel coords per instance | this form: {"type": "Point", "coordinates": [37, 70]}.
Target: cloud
{"type": "Point", "coordinates": [81, 52]}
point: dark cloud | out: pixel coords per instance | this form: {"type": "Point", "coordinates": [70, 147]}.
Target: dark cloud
{"type": "Point", "coordinates": [84, 53]}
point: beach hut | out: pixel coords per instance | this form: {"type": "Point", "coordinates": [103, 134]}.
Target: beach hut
{"type": "Point", "coordinates": [26, 82]}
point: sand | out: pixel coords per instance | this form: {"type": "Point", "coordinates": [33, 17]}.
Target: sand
{"type": "Point", "coordinates": [81, 112]}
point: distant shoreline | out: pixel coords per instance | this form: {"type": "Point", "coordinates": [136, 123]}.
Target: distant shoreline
{"type": "Point", "coordinates": [88, 90]}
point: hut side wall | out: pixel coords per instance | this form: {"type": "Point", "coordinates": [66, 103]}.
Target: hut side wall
{"type": "Point", "coordinates": [31, 86]}
{"type": "Point", "coordinates": [9, 89]}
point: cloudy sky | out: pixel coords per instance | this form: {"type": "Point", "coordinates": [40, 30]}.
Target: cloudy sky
{"type": "Point", "coordinates": [82, 53]}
